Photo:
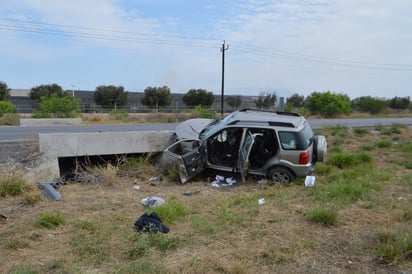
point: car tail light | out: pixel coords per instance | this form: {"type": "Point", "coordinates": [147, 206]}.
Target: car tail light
{"type": "Point", "coordinates": [304, 158]}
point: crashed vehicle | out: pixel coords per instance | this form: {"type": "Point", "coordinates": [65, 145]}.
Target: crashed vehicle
{"type": "Point", "coordinates": [278, 145]}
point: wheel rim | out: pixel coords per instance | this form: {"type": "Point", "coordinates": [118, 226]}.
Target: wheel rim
{"type": "Point", "coordinates": [280, 177]}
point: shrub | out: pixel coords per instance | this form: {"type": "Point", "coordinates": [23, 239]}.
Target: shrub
{"type": "Point", "coordinates": [328, 104]}
{"type": "Point", "coordinates": [6, 108]}
{"type": "Point", "coordinates": [13, 185]}
{"type": "Point", "coordinates": [119, 114]}
{"type": "Point", "coordinates": [205, 113]}
{"type": "Point", "coordinates": [58, 107]}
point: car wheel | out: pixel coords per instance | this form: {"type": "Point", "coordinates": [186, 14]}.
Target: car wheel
{"type": "Point", "coordinates": [280, 175]}
{"type": "Point", "coordinates": [319, 149]}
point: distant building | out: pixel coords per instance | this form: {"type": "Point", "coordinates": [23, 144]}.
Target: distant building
{"type": "Point", "coordinates": [21, 99]}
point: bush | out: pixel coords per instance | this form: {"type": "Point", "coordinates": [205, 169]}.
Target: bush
{"type": "Point", "coordinates": [6, 108]}
{"type": "Point", "coordinates": [58, 107]}
{"type": "Point", "coordinates": [119, 114]}
{"type": "Point", "coordinates": [370, 104]}
{"type": "Point", "coordinates": [205, 113]}
{"type": "Point", "coordinates": [12, 185]}
{"type": "Point", "coordinates": [328, 104]}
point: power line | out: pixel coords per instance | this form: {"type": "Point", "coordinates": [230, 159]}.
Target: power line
{"type": "Point", "coordinates": [186, 41]}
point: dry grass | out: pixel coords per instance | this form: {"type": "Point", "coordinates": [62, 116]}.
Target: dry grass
{"type": "Point", "coordinates": [225, 230]}
{"type": "Point", "coordinates": [137, 118]}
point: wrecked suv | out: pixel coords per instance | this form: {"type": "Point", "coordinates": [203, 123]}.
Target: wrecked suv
{"type": "Point", "coordinates": [277, 145]}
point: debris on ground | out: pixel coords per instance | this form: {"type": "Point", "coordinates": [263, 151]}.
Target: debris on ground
{"type": "Point", "coordinates": [310, 181]}
{"type": "Point", "coordinates": [150, 223]}
{"type": "Point", "coordinates": [152, 202]}
{"type": "Point", "coordinates": [155, 179]}
{"type": "Point", "coordinates": [261, 201]}
{"type": "Point", "coordinates": [191, 193]}
{"type": "Point", "coordinates": [262, 182]}
{"type": "Point", "coordinates": [222, 181]}
{"type": "Point", "coordinates": [79, 178]}
{"type": "Point", "coordinates": [49, 189]}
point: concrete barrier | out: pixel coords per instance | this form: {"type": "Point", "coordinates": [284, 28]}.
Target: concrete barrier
{"type": "Point", "coordinates": [49, 122]}
{"type": "Point", "coordinates": [56, 145]}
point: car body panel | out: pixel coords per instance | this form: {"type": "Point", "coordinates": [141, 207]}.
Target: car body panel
{"type": "Point", "coordinates": [248, 142]}
{"type": "Point", "coordinates": [191, 128]}
{"type": "Point", "coordinates": [187, 158]}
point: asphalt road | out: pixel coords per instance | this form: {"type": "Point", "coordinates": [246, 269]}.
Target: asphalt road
{"type": "Point", "coordinates": [21, 133]}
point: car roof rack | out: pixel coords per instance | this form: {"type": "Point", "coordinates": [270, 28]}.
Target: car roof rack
{"type": "Point", "coordinates": [271, 111]}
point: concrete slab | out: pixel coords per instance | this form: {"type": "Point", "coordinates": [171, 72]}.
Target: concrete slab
{"type": "Point", "coordinates": [49, 122]}
{"type": "Point", "coordinates": [56, 145]}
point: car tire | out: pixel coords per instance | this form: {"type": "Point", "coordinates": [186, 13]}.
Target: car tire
{"type": "Point", "coordinates": [280, 175]}
{"type": "Point", "coordinates": [319, 149]}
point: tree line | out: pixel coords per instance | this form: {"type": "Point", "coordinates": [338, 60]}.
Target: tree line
{"type": "Point", "coordinates": [53, 101]}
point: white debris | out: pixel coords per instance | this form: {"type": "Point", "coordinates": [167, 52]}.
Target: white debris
{"type": "Point", "coordinates": [310, 181]}
{"type": "Point", "coordinates": [152, 202]}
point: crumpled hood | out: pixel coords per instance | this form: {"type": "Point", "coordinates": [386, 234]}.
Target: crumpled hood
{"type": "Point", "coordinates": [191, 128]}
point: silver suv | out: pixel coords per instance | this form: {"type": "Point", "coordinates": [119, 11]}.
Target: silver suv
{"type": "Point", "coordinates": [277, 145]}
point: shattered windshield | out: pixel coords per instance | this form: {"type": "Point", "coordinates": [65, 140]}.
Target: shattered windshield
{"type": "Point", "coordinates": [213, 127]}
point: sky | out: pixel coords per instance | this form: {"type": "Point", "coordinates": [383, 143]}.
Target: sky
{"type": "Point", "coordinates": [352, 47]}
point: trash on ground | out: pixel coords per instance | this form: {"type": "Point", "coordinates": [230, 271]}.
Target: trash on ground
{"type": "Point", "coordinates": [49, 189]}
{"type": "Point", "coordinates": [150, 223]}
{"type": "Point", "coordinates": [261, 201]}
{"type": "Point", "coordinates": [79, 178]}
{"type": "Point", "coordinates": [152, 202]}
{"type": "Point", "coordinates": [137, 187]}
{"type": "Point", "coordinates": [263, 182]}
{"type": "Point", "coordinates": [222, 181]}
{"type": "Point", "coordinates": [191, 193]}
{"type": "Point", "coordinates": [155, 178]}
{"type": "Point", "coordinates": [310, 181]}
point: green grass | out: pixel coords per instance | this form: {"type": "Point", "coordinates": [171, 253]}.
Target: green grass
{"type": "Point", "coordinates": [383, 144]}
{"type": "Point", "coordinates": [360, 131]}
{"type": "Point", "coordinates": [86, 225]}
{"type": "Point", "coordinates": [393, 245]}
{"type": "Point", "coordinates": [50, 220]}
{"type": "Point", "coordinates": [345, 160]}
{"type": "Point", "coordinates": [171, 211]}
{"type": "Point", "coordinates": [13, 185]}
{"type": "Point", "coordinates": [144, 244]}
{"type": "Point", "coordinates": [92, 248]}
{"type": "Point", "coordinates": [322, 216]}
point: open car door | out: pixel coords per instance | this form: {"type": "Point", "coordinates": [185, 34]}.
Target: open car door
{"type": "Point", "coordinates": [186, 156]}
{"type": "Point", "coordinates": [244, 152]}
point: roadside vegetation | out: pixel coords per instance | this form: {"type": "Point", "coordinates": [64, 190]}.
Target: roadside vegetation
{"type": "Point", "coordinates": [355, 219]}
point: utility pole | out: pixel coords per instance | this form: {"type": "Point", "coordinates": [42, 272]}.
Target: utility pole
{"type": "Point", "coordinates": [223, 49]}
